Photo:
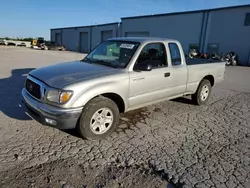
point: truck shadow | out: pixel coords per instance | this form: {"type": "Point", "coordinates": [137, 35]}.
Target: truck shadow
{"type": "Point", "coordinates": [183, 100]}
{"type": "Point", "coordinates": [128, 121]}
{"type": "Point", "coordinates": [11, 94]}
{"type": "Point", "coordinates": [73, 132]}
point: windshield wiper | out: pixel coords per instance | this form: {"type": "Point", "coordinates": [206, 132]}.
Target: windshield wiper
{"type": "Point", "coordinates": [101, 62]}
{"type": "Point", "coordinates": [88, 60]}
{"type": "Point", "coordinates": [106, 63]}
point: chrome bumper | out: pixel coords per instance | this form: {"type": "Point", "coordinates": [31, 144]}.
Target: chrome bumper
{"type": "Point", "coordinates": [46, 114]}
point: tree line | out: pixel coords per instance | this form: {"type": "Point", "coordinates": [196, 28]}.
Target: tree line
{"type": "Point", "coordinates": [20, 39]}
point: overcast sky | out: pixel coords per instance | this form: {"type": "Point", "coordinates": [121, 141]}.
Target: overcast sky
{"type": "Point", "coordinates": [33, 18]}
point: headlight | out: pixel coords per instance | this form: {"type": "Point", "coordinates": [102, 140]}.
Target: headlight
{"type": "Point", "coordinates": [58, 96]}
{"type": "Point", "coordinates": [53, 96]}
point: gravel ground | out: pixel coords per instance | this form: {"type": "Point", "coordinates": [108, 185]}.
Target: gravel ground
{"type": "Point", "coordinates": [171, 144]}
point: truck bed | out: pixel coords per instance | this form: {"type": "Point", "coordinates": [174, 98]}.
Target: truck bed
{"type": "Point", "coordinates": [201, 68]}
{"type": "Point", "coordinates": [197, 61]}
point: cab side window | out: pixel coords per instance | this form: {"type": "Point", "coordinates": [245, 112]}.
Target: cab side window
{"type": "Point", "coordinates": [175, 54]}
{"type": "Point", "coordinates": [154, 54]}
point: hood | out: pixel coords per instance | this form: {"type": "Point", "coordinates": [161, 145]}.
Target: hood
{"type": "Point", "coordinates": [61, 74]}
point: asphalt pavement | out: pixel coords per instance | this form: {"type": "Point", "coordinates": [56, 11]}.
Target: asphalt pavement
{"type": "Point", "coordinates": [172, 143]}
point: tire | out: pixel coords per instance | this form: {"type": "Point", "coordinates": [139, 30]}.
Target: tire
{"type": "Point", "coordinates": [234, 63]}
{"type": "Point", "coordinates": [105, 110]}
{"type": "Point", "coordinates": [228, 63]}
{"type": "Point", "coordinates": [190, 56]}
{"type": "Point", "coordinates": [198, 98]}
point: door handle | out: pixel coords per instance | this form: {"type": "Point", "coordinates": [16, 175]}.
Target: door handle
{"type": "Point", "coordinates": [167, 74]}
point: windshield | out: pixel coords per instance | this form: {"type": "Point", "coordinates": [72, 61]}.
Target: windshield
{"type": "Point", "coordinates": [115, 54]}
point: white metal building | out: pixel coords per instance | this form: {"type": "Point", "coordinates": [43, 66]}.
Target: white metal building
{"type": "Point", "coordinates": [84, 38]}
{"type": "Point", "coordinates": [218, 30]}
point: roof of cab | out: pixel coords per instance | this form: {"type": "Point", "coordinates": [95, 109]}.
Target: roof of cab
{"type": "Point", "coordinates": [143, 39]}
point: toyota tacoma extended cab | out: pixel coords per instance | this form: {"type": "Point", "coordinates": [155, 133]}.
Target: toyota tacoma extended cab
{"type": "Point", "coordinates": [119, 75]}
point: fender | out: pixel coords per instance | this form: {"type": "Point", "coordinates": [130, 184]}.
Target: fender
{"type": "Point", "coordinates": [117, 87]}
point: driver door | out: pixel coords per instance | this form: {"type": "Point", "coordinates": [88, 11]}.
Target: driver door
{"type": "Point", "coordinates": [149, 86]}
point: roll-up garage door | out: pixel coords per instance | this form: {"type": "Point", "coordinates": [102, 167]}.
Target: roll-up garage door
{"type": "Point", "coordinates": [106, 35]}
{"type": "Point", "coordinates": [58, 38]}
{"type": "Point", "coordinates": [84, 42]}
{"type": "Point", "coordinates": [137, 34]}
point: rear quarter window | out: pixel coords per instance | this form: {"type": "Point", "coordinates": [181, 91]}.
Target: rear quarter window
{"type": "Point", "coordinates": [174, 54]}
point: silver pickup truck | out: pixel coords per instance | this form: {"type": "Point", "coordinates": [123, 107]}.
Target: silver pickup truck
{"type": "Point", "coordinates": [119, 75]}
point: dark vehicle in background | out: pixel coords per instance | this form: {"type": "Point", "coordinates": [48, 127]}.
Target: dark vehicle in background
{"type": "Point", "coordinates": [22, 44]}
{"type": "Point", "coordinates": [11, 44]}
{"type": "Point", "coordinates": [193, 53]}
{"type": "Point", "coordinates": [214, 56]}
{"type": "Point", "coordinates": [53, 46]}
{"type": "Point", "coordinates": [230, 59]}
{"type": "Point", "coordinates": [37, 43]}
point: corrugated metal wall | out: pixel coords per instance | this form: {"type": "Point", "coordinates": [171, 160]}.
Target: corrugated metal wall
{"type": "Point", "coordinates": [99, 29]}
{"type": "Point", "coordinates": [226, 28]}
{"type": "Point", "coordinates": [53, 34]}
{"type": "Point", "coordinates": [71, 38]}
{"type": "Point", "coordinates": [184, 27]}
{"type": "Point", "coordinates": [223, 30]}
{"type": "Point", "coordinates": [84, 39]}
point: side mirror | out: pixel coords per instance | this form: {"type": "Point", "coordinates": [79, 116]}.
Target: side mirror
{"type": "Point", "coordinates": [143, 67]}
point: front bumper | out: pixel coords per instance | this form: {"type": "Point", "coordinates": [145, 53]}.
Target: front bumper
{"type": "Point", "coordinates": [49, 115]}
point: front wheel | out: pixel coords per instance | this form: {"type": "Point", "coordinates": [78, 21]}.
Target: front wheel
{"type": "Point", "coordinates": [99, 119]}
{"type": "Point", "coordinates": [203, 92]}
{"type": "Point", "coordinates": [228, 63]}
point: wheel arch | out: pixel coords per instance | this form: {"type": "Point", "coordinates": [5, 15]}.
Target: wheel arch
{"type": "Point", "coordinates": [116, 98]}
{"type": "Point", "coordinates": [210, 78]}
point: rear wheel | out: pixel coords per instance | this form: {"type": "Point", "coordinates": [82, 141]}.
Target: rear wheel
{"type": "Point", "coordinates": [99, 119]}
{"type": "Point", "coordinates": [234, 63]}
{"type": "Point", "coordinates": [203, 92]}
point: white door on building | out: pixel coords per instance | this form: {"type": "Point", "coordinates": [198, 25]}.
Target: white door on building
{"type": "Point", "coordinates": [137, 34]}
{"type": "Point", "coordinates": [106, 35]}
{"type": "Point", "coordinates": [84, 42]}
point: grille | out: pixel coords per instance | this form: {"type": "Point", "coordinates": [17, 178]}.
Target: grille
{"type": "Point", "coordinates": [33, 88]}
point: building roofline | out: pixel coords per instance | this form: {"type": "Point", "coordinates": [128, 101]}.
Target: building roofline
{"type": "Point", "coordinates": [187, 12]}
{"type": "Point", "coordinates": [113, 23]}
{"type": "Point", "coordinates": [142, 39]}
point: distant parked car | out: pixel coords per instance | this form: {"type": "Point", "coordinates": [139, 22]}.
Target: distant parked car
{"type": "Point", "coordinates": [11, 44]}
{"type": "Point", "coordinates": [22, 44]}
{"type": "Point", "coordinates": [53, 46]}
